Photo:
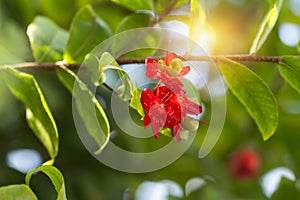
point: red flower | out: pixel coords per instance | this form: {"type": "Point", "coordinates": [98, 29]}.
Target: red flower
{"type": "Point", "coordinates": [167, 106]}
{"type": "Point", "coordinates": [165, 110]}
{"type": "Point", "coordinates": [161, 70]}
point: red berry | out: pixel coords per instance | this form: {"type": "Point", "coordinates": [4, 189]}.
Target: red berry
{"type": "Point", "coordinates": [245, 163]}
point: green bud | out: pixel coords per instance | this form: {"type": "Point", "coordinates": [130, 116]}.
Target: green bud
{"type": "Point", "coordinates": [190, 124]}
{"type": "Point", "coordinates": [161, 65]}
{"type": "Point", "coordinates": [175, 67]}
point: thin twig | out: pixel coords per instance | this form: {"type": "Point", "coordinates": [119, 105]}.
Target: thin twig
{"type": "Point", "coordinates": [239, 58]}
{"type": "Point", "coordinates": [214, 58]}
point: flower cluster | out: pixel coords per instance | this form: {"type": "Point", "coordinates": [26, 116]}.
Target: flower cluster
{"type": "Point", "coordinates": [167, 106]}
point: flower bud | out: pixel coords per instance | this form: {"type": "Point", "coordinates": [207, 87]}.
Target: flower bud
{"type": "Point", "coordinates": [161, 65]}
{"type": "Point", "coordinates": [190, 124]}
{"type": "Point", "coordinates": [175, 67]}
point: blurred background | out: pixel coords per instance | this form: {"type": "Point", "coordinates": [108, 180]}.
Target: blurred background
{"type": "Point", "coordinates": [240, 166]}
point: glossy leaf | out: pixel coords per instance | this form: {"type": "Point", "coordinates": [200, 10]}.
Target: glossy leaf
{"type": "Point", "coordinates": [254, 94]}
{"type": "Point", "coordinates": [38, 114]}
{"type": "Point", "coordinates": [86, 32]}
{"type": "Point", "coordinates": [162, 5]}
{"type": "Point", "coordinates": [135, 4]}
{"type": "Point", "coordinates": [135, 101]}
{"type": "Point", "coordinates": [197, 22]}
{"type": "Point", "coordinates": [289, 69]}
{"type": "Point", "coordinates": [108, 62]}
{"type": "Point", "coordinates": [135, 20]}
{"type": "Point", "coordinates": [105, 10]}
{"type": "Point", "coordinates": [60, 11]}
{"type": "Point", "coordinates": [17, 192]}
{"type": "Point", "coordinates": [134, 45]}
{"type": "Point", "coordinates": [55, 176]}
{"type": "Point", "coordinates": [266, 27]}
{"type": "Point", "coordinates": [91, 63]}
{"type": "Point", "coordinates": [12, 37]}
{"type": "Point", "coordinates": [88, 107]}
{"type": "Point", "coordinates": [48, 41]}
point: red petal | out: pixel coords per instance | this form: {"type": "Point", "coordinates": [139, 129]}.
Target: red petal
{"type": "Point", "coordinates": [185, 70]}
{"type": "Point", "coordinates": [169, 57]}
{"type": "Point", "coordinates": [171, 105]}
{"type": "Point", "coordinates": [156, 127]}
{"type": "Point", "coordinates": [176, 132]}
{"type": "Point", "coordinates": [153, 74]}
{"type": "Point", "coordinates": [173, 83]}
{"type": "Point", "coordinates": [164, 94]}
{"type": "Point", "coordinates": [158, 117]}
{"type": "Point", "coordinates": [147, 120]}
{"type": "Point", "coordinates": [189, 107]}
{"type": "Point", "coordinates": [147, 99]}
{"type": "Point", "coordinates": [150, 61]}
{"type": "Point", "coordinates": [152, 69]}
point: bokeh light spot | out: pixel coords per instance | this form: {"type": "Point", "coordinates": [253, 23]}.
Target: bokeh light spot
{"type": "Point", "coordinates": [23, 160]}
{"type": "Point", "coordinates": [289, 34]}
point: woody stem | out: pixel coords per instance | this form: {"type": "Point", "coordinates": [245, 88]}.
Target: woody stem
{"type": "Point", "coordinates": [239, 58]}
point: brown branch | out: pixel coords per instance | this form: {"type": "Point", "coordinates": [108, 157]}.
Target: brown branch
{"type": "Point", "coordinates": [214, 58]}
{"type": "Point", "coordinates": [239, 58]}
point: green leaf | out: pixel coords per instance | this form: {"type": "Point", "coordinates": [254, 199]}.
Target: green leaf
{"type": "Point", "coordinates": [135, 101]}
{"type": "Point", "coordinates": [108, 62]}
{"type": "Point", "coordinates": [198, 18]}
{"type": "Point", "coordinates": [266, 27]}
{"type": "Point", "coordinates": [22, 11]}
{"type": "Point", "coordinates": [140, 38]}
{"type": "Point", "coordinates": [17, 192]}
{"type": "Point", "coordinates": [47, 40]}
{"type": "Point", "coordinates": [107, 8]}
{"type": "Point", "coordinates": [161, 5]}
{"type": "Point", "coordinates": [167, 132]}
{"type": "Point", "coordinates": [88, 107]}
{"type": "Point", "coordinates": [135, 20]}
{"type": "Point", "coordinates": [86, 32]}
{"type": "Point", "coordinates": [59, 11]}
{"type": "Point", "coordinates": [298, 47]}
{"type": "Point", "coordinates": [38, 114]}
{"type": "Point", "coordinates": [135, 4]}
{"type": "Point", "coordinates": [12, 37]}
{"type": "Point", "coordinates": [91, 64]}
{"type": "Point", "coordinates": [253, 93]}
{"type": "Point", "coordinates": [55, 176]}
{"type": "Point", "coordinates": [289, 69]}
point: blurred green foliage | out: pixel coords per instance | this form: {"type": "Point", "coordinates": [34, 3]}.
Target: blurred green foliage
{"type": "Point", "coordinates": [235, 24]}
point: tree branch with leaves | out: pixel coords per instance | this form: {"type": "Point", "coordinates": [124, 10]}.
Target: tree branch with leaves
{"type": "Point", "coordinates": [66, 51]}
